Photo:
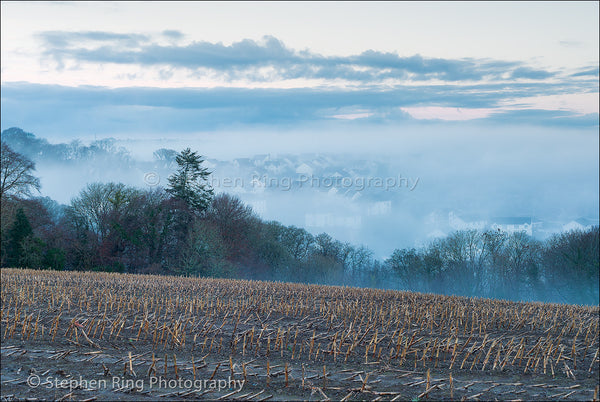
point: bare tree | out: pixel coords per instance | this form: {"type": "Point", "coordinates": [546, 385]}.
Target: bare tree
{"type": "Point", "coordinates": [297, 241]}
{"type": "Point", "coordinates": [98, 201]}
{"type": "Point", "coordinates": [166, 157]}
{"type": "Point", "coordinates": [235, 221]}
{"type": "Point", "coordinates": [408, 265]}
{"type": "Point", "coordinates": [572, 265]}
{"type": "Point", "coordinates": [15, 174]}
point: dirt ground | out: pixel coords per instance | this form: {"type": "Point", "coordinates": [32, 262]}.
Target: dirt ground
{"type": "Point", "coordinates": [214, 362]}
{"type": "Point", "coordinates": [32, 370]}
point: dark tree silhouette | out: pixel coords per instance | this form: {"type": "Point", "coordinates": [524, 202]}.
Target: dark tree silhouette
{"type": "Point", "coordinates": [17, 234]}
{"type": "Point", "coordinates": [15, 174]}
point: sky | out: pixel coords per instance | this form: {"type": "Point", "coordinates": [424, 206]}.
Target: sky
{"type": "Point", "coordinates": [505, 87]}
{"type": "Point", "coordinates": [295, 62]}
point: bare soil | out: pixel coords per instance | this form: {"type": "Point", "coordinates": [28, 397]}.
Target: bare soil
{"type": "Point", "coordinates": [178, 339]}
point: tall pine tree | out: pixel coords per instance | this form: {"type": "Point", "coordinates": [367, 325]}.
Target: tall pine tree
{"type": "Point", "coordinates": [17, 233]}
{"type": "Point", "coordinates": [190, 182]}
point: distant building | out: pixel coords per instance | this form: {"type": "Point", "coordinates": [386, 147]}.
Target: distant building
{"type": "Point", "coordinates": [322, 220]}
{"type": "Point", "coordinates": [513, 224]}
{"type": "Point", "coordinates": [505, 224]}
{"type": "Point", "coordinates": [466, 222]}
{"type": "Point", "coordinates": [580, 224]}
{"type": "Point", "coordinates": [436, 234]}
{"type": "Point", "coordinates": [304, 169]}
{"type": "Point", "coordinates": [379, 208]}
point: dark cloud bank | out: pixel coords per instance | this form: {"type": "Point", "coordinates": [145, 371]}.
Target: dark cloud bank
{"type": "Point", "coordinates": [240, 58]}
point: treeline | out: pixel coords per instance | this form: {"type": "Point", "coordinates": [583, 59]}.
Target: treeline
{"type": "Point", "coordinates": [113, 227]}
{"type": "Point", "coordinates": [27, 144]}
{"type": "Point", "coordinates": [185, 229]}
{"type": "Point", "coordinates": [496, 264]}
{"type": "Point", "coordinates": [182, 229]}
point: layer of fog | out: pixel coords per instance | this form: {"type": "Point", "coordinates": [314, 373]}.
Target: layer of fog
{"type": "Point", "coordinates": [550, 174]}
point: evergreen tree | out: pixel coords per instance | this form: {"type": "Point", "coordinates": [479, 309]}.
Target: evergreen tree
{"type": "Point", "coordinates": [18, 232]}
{"type": "Point", "coordinates": [190, 182]}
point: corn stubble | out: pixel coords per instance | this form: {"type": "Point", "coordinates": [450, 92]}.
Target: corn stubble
{"type": "Point", "coordinates": [309, 338]}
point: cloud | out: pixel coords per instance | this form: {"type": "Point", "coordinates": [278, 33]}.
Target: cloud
{"type": "Point", "coordinates": [59, 109]}
{"type": "Point", "coordinates": [58, 40]}
{"type": "Point", "coordinates": [173, 34]}
{"type": "Point", "coordinates": [458, 96]}
{"type": "Point", "coordinates": [245, 58]}
{"type": "Point", "coordinates": [592, 71]}
{"type": "Point", "coordinates": [571, 43]}
{"type": "Point", "coordinates": [557, 118]}
{"type": "Point", "coordinates": [530, 73]}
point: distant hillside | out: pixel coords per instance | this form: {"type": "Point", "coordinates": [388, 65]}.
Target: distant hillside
{"type": "Point", "coordinates": [39, 149]}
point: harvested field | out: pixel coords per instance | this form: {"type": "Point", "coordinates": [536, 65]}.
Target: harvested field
{"type": "Point", "coordinates": [102, 336]}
